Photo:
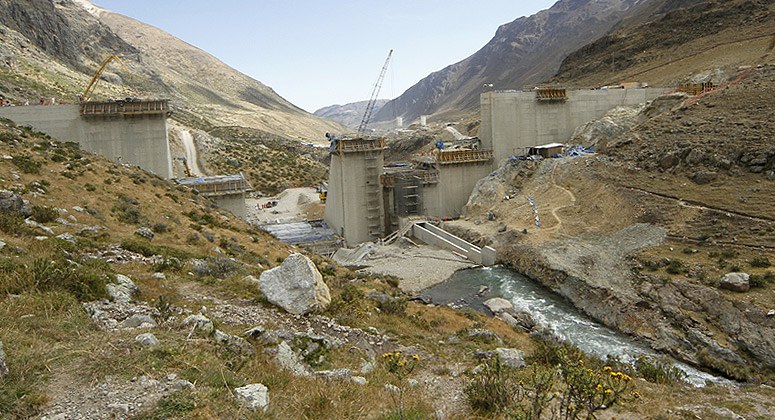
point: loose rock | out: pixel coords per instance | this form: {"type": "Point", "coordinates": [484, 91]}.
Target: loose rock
{"type": "Point", "coordinates": [253, 396]}
{"type": "Point", "coordinates": [147, 340]}
{"type": "Point", "coordinates": [736, 282]}
{"type": "Point", "coordinates": [199, 323]}
{"type": "Point", "coordinates": [123, 290]}
{"type": "Point", "coordinates": [288, 359]}
{"type": "Point", "coordinates": [296, 286]}
{"type": "Point", "coordinates": [3, 366]}
{"type": "Point", "coordinates": [145, 233]}
{"type": "Point", "coordinates": [498, 305]}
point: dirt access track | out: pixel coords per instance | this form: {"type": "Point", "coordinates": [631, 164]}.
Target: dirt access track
{"type": "Point", "coordinates": [293, 205]}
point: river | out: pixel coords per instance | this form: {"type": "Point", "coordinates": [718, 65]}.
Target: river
{"type": "Point", "coordinates": [551, 311]}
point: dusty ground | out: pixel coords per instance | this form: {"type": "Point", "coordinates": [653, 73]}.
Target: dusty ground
{"type": "Point", "coordinates": [293, 205]}
{"type": "Point", "coordinates": [416, 267]}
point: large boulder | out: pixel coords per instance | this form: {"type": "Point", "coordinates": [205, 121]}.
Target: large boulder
{"type": "Point", "coordinates": [511, 357]}
{"type": "Point", "coordinates": [253, 396]}
{"type": "Point", "coordinates": [736, 282]}
{"type": "Point", "coordinates": [10, 202]}
{"type": "Point", "coordinates": [498, 305]}
{"type": "Point", "coordinates": [296, 286]}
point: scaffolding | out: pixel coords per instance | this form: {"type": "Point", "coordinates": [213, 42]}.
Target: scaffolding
{"type": "Point", "coordinates": [373, 189]}
{"type": "Point", "coordinates": [125, 108]}
{"type": "Point", "coordinates": [551, 94]}
{"type": "Point", "coordinates": [215, 186]}
{"type": "Point", "coordinates": [463, 156]}
{"type": "Point", "coordinates": [408, 195]}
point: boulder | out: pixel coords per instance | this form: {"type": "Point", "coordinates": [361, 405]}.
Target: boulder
{"type": "Point", "coordinates": [736, 282]}
{"type": "Point", "coordinates": [511, 357]}
{"type": "Point", "coordinates": [123, 289]}
{"type": "Point", "coordinates": [289, 360]}
{"type": "Point", "coordinates": [2, 245]}
{"type": "Point", "coordinates": [199, 323]}
{"type": "Point", "coordinates": [147, 340]}
{"type": "Point", "coordinates": [253, 396]}
{"type": "Point", "coordinates": [145, 233]}
{"type": "Point", "coordinates": [139, 321]}
{"type": "Point", "coordinates": [159, 276]}
{"type": "Point", "coordinates": [486, 336]}
{"type": "Point", "coordinates": [3, 366]}
{"type": "Point", "coordinates": [296, 286]}
{"type": "Point", "coordinates": [498, 305]}
{"type": "Point", "coordinates": [67, 237]}
{"type": "Point", "coordinates": [520, 320]}
{"type": "Point", "coordinates": [234, 344]}
{"type": "Point", "coordinates": [10, 202]}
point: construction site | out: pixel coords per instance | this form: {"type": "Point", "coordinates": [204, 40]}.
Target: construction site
{"type": "Point", "coordinates": [129, 131]}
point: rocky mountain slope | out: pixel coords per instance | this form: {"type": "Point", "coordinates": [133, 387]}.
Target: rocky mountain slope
{"type": "Point", "coordinates": [523, 52]}
{"type": "Point", "coordinates": [349, 115]}
{"type": "Point", "coordinates": [204, 91]}
{"type": "Point", "coordinates": [662, 43]}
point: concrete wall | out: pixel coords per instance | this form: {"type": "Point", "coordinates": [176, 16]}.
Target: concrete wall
{"type": "Point", "coordinates": [136, 140]}
{"type": "Point", "coordinates": [446, 198]}
{"type": "Point", "coordinates": [234, 203]}
{"type": "Point", "coordinates": [515, 120]}
{"type": "Point", "coordinates": [353, 187]}
{"type": "Point", "coordinates": [433, 235]}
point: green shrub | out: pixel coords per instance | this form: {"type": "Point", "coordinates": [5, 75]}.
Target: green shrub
{"type": "Point", "coordinates": [43, 214]}
{"type": "Point", "coordinates": [676, 267]}
{"type": "Point", "coordinates": [13, 223]}
{"type": "Point", "coordinates": [159, 227]}
{"type": "Point", "coordinates": [495, 388]}
{"type": "Point", "coordinates": [80, 281]}
{"type": "Point", "coordinates": [660, 371]}
{"type": "Point", "coordinates": [217, 267]}
{"type": "Point", "coordinates": [148, 249]}
{"type": "Point", "coordinates": [26, 164]}
{"type": "Point", "coordinates": [394, 306]}
{"type": "Point", "coordinates": [761, 261]}
{"type": "Point", "coordinates": [126, 211]}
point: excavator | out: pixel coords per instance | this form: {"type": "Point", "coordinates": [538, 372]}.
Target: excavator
{"type": "Point", "coordinates": [86, 95]}
{"type": "Point", "coordinates": [185, 167]}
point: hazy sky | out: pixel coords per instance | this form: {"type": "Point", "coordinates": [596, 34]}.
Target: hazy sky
{"type": "Point", "coordinates": [325, 52]}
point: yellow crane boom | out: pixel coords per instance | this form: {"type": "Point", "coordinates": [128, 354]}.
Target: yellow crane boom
{"type": "Point", "coordinates": [90, 88]}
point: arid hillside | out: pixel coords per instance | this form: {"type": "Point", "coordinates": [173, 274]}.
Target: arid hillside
{"type": "Point", "coordinates": [641, 234]}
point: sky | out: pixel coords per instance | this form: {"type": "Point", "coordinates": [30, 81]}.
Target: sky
{"type": "Point", "coordinates": [326, 52]}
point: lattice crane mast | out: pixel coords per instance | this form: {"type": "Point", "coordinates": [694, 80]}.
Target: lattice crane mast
{"type": "Point", "coordinates": [374, 93]}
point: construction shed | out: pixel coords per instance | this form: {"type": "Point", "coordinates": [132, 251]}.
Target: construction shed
{"type": "Point", "coordinates": [546, 150]}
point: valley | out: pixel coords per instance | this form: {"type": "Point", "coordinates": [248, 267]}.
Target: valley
{"type": "Point", "coordinates": [523, 246]}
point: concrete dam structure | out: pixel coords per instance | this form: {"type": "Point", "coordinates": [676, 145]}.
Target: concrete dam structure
{"type": "Point", "coordinates": [367, 201]}
{"type": "Point", "coordinates": [133, 132]}
{"type": "Point", "coordinates": [514, 121]}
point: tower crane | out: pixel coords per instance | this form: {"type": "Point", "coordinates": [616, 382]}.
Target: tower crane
{"type": "Point", "coordinates": [373, 99]}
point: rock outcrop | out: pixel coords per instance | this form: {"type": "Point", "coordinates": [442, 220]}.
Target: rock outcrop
{"type": "Point", "coordinates": [296, 286]}
{"type": "Point", "coordinates": [123, 289]}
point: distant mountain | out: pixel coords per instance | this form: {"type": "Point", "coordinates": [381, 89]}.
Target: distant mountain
{"type": "Point", "coordinates": [526, 51]}
{"type": "Point", "coordinates": [349, 115]}
{"type": "Point", "coordinates": [52, 48]}
{"type": "Point", "coordinates": [655, 41]}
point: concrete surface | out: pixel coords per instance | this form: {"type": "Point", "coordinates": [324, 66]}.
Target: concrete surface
{"type": "Point", "coordinates": [513, 121]}
{"type": "Point", "coordinates": [136, 140]}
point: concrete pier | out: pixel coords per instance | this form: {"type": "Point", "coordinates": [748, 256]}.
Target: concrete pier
{"type": "Point", "coordinates": [133, 132]}
{"type": "Point", "coordinates": [355, 203]}
{"type": "Point", "coordinates": [228, 191]}
{"type": "Point", "coordinates": [513, 121]}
